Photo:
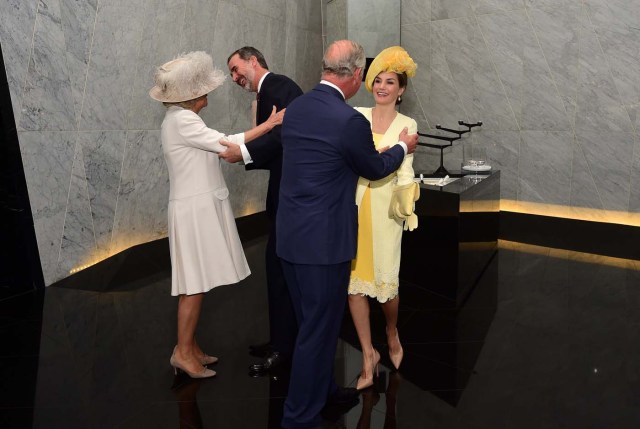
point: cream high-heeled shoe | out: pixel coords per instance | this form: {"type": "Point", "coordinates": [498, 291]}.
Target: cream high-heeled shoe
{"type": "Point", "coordinates": [205, 359]}
{"type": "Point", "coordinates": [396, 358]}
{"type": "Point", "coordinates": [364, 382]}
{"type": "Point", "coordinates": [205, 373]}
{"type": "Point", "coordinates": [208, 360]}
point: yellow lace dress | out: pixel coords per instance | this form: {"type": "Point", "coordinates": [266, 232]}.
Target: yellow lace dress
{"type": "Point", "coordinates": [375, 270]}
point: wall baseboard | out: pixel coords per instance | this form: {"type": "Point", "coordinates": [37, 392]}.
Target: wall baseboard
{"type": "Point", "coordinates": [615, 240]}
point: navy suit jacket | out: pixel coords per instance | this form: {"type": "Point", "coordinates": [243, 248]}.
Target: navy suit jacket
{"type": "Point", "coordinates": [326, 145]}
{"type": "Point", "coordinates": [266, 151]}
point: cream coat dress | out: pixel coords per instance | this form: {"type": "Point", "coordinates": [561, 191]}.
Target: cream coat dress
{"type": "Point", "coordinates": [203, 239]}
{"type": "Point", "coordinates": [386, 231]}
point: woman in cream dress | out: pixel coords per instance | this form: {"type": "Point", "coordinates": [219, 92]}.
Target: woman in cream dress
{"type": "Point", "coordinates": [374, 272]}
{"type": "Point", "coordinates": [206, 251]}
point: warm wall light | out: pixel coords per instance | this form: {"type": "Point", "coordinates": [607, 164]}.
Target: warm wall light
{"type": "Point", "coordinates": [577, 213]}
{"type": "Point", "coordinates": [589, 258]}
{"type": "Point", "coordinates": [121, 243]}
{"type": "Point", "coordinates": [250, 207]}
{"type": "Point", "coordinates": [76, 269]}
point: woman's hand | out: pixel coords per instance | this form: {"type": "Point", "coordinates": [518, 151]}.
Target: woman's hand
{"type": "Point", "coordinates": [276, 118]}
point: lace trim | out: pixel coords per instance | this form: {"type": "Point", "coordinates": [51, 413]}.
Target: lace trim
{"type": "Point", "coordinates": [382, 291]}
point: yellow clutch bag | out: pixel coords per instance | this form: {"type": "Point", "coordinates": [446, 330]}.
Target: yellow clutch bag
{"type": "Point", "coordinates": [403, 204]}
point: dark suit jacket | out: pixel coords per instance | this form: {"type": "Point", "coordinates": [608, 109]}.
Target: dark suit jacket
{"type": "Point", "coordinates": [327, 144]}
{"type": "Point", "coordinates": [266, 151]}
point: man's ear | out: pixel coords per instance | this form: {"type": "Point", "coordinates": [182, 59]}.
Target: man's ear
{"type": "Point", "coordinates": [357, 74]}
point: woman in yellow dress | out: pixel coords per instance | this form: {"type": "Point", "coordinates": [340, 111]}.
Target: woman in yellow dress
{"type": "Point", "coordinates": [374, 272]}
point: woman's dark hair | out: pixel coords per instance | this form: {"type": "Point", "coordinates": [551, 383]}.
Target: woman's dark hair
{"type": "Point", "coordinates": [402, 83]}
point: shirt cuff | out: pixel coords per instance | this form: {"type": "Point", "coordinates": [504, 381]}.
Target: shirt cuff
{"type": "Point", "coordinates": [246, 157]}
{"type": "Point", "coordinates": [404, 147]}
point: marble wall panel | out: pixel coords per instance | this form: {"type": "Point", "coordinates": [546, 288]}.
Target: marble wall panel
{"type": "Point", "coordinates": [272, 8]}
{"type": "Point", "coordinates": [621, 46]}
{"type": "Point", "coordinates": [482, 7]}
{"type": "Point", "coordinates": [545, 70]}
{"type": "Point", "coordinates": [160, 42]}
{"type": "Point", "coordinates": [47, 101]}
{"type": "Point", "coordinates": [229, 106]}
{"type": "Point", "coordinates": [412, 106]}
{"type": "Point", "coordinates": [235, 28]}
{"type": "Point", "coordinates": [558, 31]}
{"type": "Point", "coordinates": [599, 103]}
{"type": "Point", "coordinates": [609, 156]}
{"type": "Point", "coordinates": [310, 70]}
{"type": "Point", "coordinates": [17, 19]}
{"type": "Point", "coordinates": [114, 53]}
{"type": "Point", "coordinates": [478, 86]}
{"type": "Point", "coordinates": [103, 153]}
{"type": "Point", "coordinates": [634, 198]}
{"type": "Point", "coordinates": [542, 169]}
{"type": "Point", "coordinates": [48, 160]}
{"type": "Point", "coordinates": [78, 19]}
{"type": "Point", "coordinates": [634, 116]}
{"type": "Point", "coordinates": [448, 9]}
{"type": "Point", "coordinates": [416, 39]}
{"type": "Point", "coordinates": [524, 71]}
{"type": "Point", "coordinates": [198, 27]}
{"type": "Point", "coordinates": [304, 14]}
{"type": "Point", "coordinates": [78, 246]}
{"type": "Point", "coordinates": [584, 190]}
{"type": "Point", "coordinates": [247, 189]}
{"type": "Point", "coordinates": [415, 11]}
{"type": "Point", "coordinates": [88, 66]}
{"type": "Point", "coordinates": [143, 196]}
{"type": "Point", "coordinates": [374, 25]}
{"type": "Point", "coordinates": [614, 13]}
{"type": "Point", "coordinates": [445, 106]}
{"type": "Point", "coordinates": [336, 21]}
{"type": "Point", "coordinates": [548, 4]}
{"type": "Point", "coordinates": [503, 153]}
{"type": "Point", "coordinates": [303, 62]}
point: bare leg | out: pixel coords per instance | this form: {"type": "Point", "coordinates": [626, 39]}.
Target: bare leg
{"type": "Point", "coordinates": [359, 307]}
{"type": "Point", "coordinates": [188, 314]}
{"type": "Point", "coordinates": [390, 309]}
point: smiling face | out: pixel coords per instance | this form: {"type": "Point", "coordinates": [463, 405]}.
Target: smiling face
{"type": "Point", "coordinates": [242, 72]}
{"type": "Point", "coordinates": [386, 88]}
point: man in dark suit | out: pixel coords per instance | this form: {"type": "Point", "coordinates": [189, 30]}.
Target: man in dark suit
{"type": "Point", "coordinates": [249, 70]}
{"type": "Point", "coordinates": [326, 145]}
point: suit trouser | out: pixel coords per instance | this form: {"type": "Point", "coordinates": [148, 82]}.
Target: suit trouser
{"type": "Point", "coordinates": [319, 295]}
{"type": "Point", "coordinates": [283, 326]}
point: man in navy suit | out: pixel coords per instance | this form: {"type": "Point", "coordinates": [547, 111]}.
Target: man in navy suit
{"type": "Point", "coordinates": [326, 145]}
{"type": "Point", "coordinates": [249, 70]}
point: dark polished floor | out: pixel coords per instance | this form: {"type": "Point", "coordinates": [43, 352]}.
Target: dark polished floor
{"type": "Point", "coordinates": [554, 342]}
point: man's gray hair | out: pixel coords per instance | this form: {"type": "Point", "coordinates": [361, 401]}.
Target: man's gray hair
{"type": "Point", "coordinates": [342, 58]}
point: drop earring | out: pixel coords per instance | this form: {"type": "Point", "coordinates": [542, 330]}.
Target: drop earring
{"type": "Point", "coordinates": [399, 98]}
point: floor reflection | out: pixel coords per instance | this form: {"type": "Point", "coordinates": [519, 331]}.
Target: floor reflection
{"type": "Point", "coordinates": [557, 344]}
{"type": "Point", "coordinates": [185, 390]}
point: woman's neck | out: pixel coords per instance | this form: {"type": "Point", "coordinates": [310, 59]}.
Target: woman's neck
{"type": "Point", "coordinates": [381, 117]}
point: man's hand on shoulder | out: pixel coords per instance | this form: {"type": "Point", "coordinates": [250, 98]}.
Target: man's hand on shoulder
{"type": "Point", "coordinates": [411, 140]}
{"type": "Point", "coordinates": [232, 154]}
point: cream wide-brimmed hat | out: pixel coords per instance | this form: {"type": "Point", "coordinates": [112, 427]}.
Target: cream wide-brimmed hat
{"type": "Point", "coordinates": [186, 77]}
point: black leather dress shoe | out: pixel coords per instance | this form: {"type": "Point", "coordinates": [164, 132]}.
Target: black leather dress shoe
{"type": "Point", "coordinates": [260, 350]}
{"type": "Point", "coordinates": [272, 361]}
{"type": "Point", "coordinates": [343, 395]}
{"type": "Point", "coordinates": [340, 402]}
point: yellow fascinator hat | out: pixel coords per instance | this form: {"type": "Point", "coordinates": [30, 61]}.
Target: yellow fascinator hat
{"type": "Point", "coordinates": [394, 59]}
